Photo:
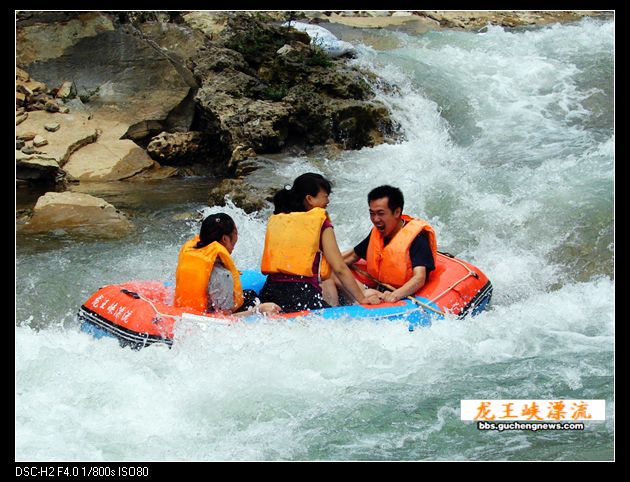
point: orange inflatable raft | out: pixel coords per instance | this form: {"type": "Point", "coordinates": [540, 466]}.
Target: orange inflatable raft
{"type": "Point", "coordinates": [140, 313]}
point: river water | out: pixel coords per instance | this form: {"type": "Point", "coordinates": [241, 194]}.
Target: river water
{"type": "Point", "coordinates": [508, 152]}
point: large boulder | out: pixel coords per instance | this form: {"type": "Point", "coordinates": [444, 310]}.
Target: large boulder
{"type": "Point", "coordinates": [76, 213]}
{"type": "Point", "coordinates": [357, 124]}
{"type": "Point", "coordinates": [259, 124]}
{"type": "Point", "coordinates": [41, 36]}
{"type": "Point", "coordinates": [108, 160]}
{"type": "Point", "coordinates": [122, 76]}
{"type": "Point", "coordinates": [263, 87]}
{"type": "Point", "coordinates": [177, 147]}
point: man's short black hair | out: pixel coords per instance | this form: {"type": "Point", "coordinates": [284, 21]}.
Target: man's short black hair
{"type": "Point", "coordinates": [394, 196]}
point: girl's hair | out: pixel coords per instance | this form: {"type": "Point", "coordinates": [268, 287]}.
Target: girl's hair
{"type": "Point", "coordinates": [288, 200]}
{"type": "Point", "coordinates": [213, 227]}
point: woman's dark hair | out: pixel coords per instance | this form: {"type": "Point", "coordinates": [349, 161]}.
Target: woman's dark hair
{"type": "Point", "coordinates": [213, 227]}
{"type": "Point", "coordinates": [290, 200]}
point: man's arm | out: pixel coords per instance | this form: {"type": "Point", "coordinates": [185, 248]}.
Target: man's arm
{"type": "Point", "coordinates": [350, 257]}
{"type": "Point", "coordinates": [355, 254]}
{"type": "Point", "coordinates": [419, 275]}
{"type": "Point", "coordinates": [422, 263]}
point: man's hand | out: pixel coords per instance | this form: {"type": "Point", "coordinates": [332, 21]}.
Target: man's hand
{"type": "Point", "coordinates": [268, 309]}
{"type": "Point", "coordinates": [391, 296]}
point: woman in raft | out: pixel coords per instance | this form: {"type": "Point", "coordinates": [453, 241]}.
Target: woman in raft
{"type": "Point", "coordinates": [207, 279]}
{"type": "Point", "coordinates": [301, 249]}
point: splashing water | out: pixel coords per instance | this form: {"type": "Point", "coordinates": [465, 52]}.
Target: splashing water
{"type": "Point", "coordinates": [508, 151]}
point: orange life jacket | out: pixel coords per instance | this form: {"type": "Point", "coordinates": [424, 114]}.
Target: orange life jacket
{"type": "Point", "coordinates": [194, 269]}
{"type": "Point", "coordinates": [292, 242]}
{"type": "Point", "coordinates": [391, 264]}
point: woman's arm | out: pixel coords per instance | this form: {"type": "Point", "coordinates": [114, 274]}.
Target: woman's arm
{"type": "Point", "coordinates": [341, 270]}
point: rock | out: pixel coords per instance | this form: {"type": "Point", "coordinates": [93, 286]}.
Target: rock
{"type": "Point", "coordinates": [153, 90]}
{"type": "Point", "coordinates": [474, 20]}
{"type": "Point", "coordinates": [76, 213]}
{"type": "Point", "coordinates": [210, 23]}
{"type": "Point", "coordinates": [21, 118]}
{"type": "Point", "coordinates": [215, 58]}
{"type": "Point", "coordinates": [309, 119]}
{"type": "Point", "coordinates": [233, 82]}
{"type": "Point", "coordinates": [24, 90]}
{"type": "Point", "coordinates": [239, 154]}
{"type": "Point", "coordinates": [77, 131]}
{"type": "Point", "coordinates": [25, 135]}
{"type": "Point", "coordinates": [28, 150]}
{"type": "Point", "coordinates": [377, 13]}
{"type": "Point", "coordinates": [176, 147]}
{"type": "Point", "coordinates": [35, 86]}
{"type": "Point", "coordinates": [66, 90]}
{"type": "Point", "coordinates": [108, 160]}
{"type": "Point", "coordinates": [34, 42]}
{"type": "Point", "coordinates": [358, 124]}
{"type": "Point", "coordinates": [248, 165]}
{"type": "Point", "coordinates": [324, 39]}
{"type": "Point", "coordinates": [241, 105]}
{"type": "Point", "coordinates": [402, 14]}
{"type": "Point", "coordinates": [51, 106]}
{"type": "Point", "coordinates": [284, 50]}
{"type": "Point", "coordinates": [36, 167]}
{"type": "Point", "coordinates": [341, 83]}
{"type": "Point", "coordinates": [39, 141]}
{"type": "Point", "coordinates": [21, 75]}
{"type": "Point", "coordinates": [241, 193]}
{"type": "Point", "coordinates": [155, 172]}
{"type": "Point", "coordinates": [19, 144]}
{"type": "Point", "coordinates": [413, 23]}
{"type": "Point", "coordinates": [256, 37]}
{"type": "Point", "coordinates": [52, 126]}
{"type": "Point", "coordinates": [261, 125]}
{"type": "Point", "coordinates": [177, 41]}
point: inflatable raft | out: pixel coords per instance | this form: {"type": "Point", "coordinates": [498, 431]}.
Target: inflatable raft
{"type": "Point", "coordinates": [140, 313]}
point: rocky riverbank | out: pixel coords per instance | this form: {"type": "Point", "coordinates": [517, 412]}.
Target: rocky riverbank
{"type": "Point", "coordinates": [107, 96]}
{"type": "Point", "coordinates": [420, 21]}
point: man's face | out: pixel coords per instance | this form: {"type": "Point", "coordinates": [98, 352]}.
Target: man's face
{"type": "Point", "coordinates": [382, 217]}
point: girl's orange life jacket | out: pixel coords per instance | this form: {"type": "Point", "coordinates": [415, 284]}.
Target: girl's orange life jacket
{"type": "Point", "coordinates": [291, 243]}
{"type": "Point", "coordinates": [391, 264]}
{"type": "Point", "coordinates": [194, 269]}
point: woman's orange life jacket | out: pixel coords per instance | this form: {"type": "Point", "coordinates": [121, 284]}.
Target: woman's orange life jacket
{"type": "Point", "coordinates": [194, 269]}
{"type": "Point", "coordinates": [291, 243]}
{"type": "Point", "coordinates": [391, 264]}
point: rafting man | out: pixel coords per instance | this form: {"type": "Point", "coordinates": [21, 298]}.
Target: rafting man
{"type": "Point", "coordinates": [400, 250]}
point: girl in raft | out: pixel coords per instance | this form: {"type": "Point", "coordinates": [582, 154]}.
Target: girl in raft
{"type": "Point", "coordinates": [207, 279]}
{"type": "Point", "coordinates": [301, 249]}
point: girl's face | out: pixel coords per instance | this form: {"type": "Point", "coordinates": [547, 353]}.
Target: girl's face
{"type": "Point", "coordinates": [229, 240]}
{"type": "Point", "coordinates": [319, 201]}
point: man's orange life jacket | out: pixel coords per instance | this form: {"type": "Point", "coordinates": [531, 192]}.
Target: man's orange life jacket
{"type": "Point", "coordinates": [194, 269]}
{"type": "Point", "coordinates": [391, 264]}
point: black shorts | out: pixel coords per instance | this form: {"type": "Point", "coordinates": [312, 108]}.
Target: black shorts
{"type": "Point", "coordinates": [292, 296]}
